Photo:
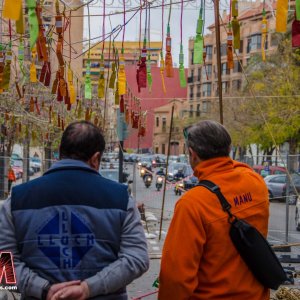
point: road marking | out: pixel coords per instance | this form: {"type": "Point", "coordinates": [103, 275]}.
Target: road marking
{"type": "Point", "coordinates": [156, 248]}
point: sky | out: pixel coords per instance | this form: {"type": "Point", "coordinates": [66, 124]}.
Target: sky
{"type": "Point", "coordinates": [190, 16]}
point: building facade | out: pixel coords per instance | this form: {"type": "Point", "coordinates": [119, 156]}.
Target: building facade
{"type": "Point", "coordinates": [203, 79]}
{"type": "Point", "coordinates": [161, 130]}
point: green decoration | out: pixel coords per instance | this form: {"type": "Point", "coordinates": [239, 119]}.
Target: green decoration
{"type": "Point", "coordinates": [88, 83]}
{"type": "Point", "coordinates": [33, 22]}
{"type": "Point", "coordinates": [149, 75]}
{"type": "Point", "coordinates": [181, 68]}
{"type": "Point", "coordinates": [198, 43]}
{"type": "Point", "coordinates": [298, 10]}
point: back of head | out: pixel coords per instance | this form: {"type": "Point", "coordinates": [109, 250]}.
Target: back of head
{"type": "Point", "coordinates": [80, 141]}
{"type": "Point", "coordinates": [209, 139]}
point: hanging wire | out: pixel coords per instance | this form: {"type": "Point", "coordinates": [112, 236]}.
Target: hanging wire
{"type": "Point", "coordinates": [89, 24]}
{"type": "Point", "coordinates": [124, 23]}
{"type": "Point", "coordinates": [170, 10]}
{"type": "Point", "coordinates": [162, 25]}
{"type": "Point", "coordinates": [181, 19]}
{"type": "Point", "coordinates": [103, 26]}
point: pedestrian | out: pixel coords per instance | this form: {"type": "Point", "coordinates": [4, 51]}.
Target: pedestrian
{"type": "Point", "coordinates": [11, 178]}
{"type": "Point", "coordinates": [199, 260]}
{"type": "Point", "coordinates": [73, 233]}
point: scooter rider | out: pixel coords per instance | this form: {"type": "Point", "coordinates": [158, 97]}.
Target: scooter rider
{"type": "Point", "coordinates": [161, 172]}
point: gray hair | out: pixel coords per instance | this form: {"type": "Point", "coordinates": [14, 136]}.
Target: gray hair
{"type": "Point", "coordinates": [209, 139]}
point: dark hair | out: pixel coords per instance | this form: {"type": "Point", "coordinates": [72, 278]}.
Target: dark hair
{"type": "Point", "coordinates": [81, 140]}
{"type": "Point", "coordinates": [209, 139]}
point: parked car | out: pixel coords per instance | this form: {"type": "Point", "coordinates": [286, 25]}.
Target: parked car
{"type": "Point", "coordinates": [277, 187]}
{"type": "Point", "coordinates": [268, 170]}
{"type": "Point", "coordinates": [35, 163]}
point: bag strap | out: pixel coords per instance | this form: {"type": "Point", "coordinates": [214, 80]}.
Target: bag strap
{"type": "Point", "coordinates": [217, 191]}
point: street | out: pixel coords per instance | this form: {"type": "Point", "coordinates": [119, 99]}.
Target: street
{"type": "Point", "coordinates": [153, 203]}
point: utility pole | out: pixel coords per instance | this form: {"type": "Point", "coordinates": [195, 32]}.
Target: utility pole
{"type": "Point", "coordinates": [218, 45]}
{"type": "Point", "coordinates": [165, 185]}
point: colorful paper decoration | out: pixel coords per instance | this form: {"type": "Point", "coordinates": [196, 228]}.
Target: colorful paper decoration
{"type": "Point", "coordinates": [181, 68]}
{"type": "Point", "coordinates": [264, 31]}
{"type": "Point", "coordinates": [88, 83]}
{"type": "Point", "coordinates": [298, 10]}
{"type": "Point", "coordinates": [142, 74]}
{"type": "Point", "coordinates": [281, 15]}
{"type": "Point", "coordinates": [236, 33]}
{"type": "Point", "coordinates": [149, 75]}
{"type": "Point", "coordinates": [6, 72]}
{"type": "Point", "coordinates": [230, 63]}
{"type": "Point", "coordinates": [1, 67]}
{"type": "Point", "coordinates": [112, 76]}
{"type": "Point", "coordinates": [101, 82]}
{"type": "Point", "coordinates": [198, 42]}
{"type": "Point", "coordinates": [162, 69]}
{"type": "Point", "coordinates": [41, 41]}
{"type": "Point", "coordinates": [72, 91]}
{"type": "Point", "coordinates": [33, 22]}
{"type": "Point", "coordinates": [296, 34]}
{"type": "Point", "coordinates": [168, 59]}
{"type": "Point", "coordinates": [121, 76]}
{"type": "Point", "coordinates": [20, 22]}
{"type": "Point", "coordinates": [11, 9]}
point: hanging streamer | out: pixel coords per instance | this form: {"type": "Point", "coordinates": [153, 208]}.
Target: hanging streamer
{"type": "Point", "coordinates": [168, 59]}
{"type": "Point", "coordinates": [162, 69]}
{"type": "Point", "coordinates": [298, 10]}
{"type": "Point", "coordinates": [121, 76]}
{"type": "Point", "coordinates": [281, 15]}
{"type": "Point", "coordinates": [11, 9]}
{"type": "Point", "coordinates": [20, 22]}
{"type": "Point", "coordinates": [88, 83]}
{"type": "Point", "coordinates": [41, 41]}
{"type": "Point", "coordinates": [264, 31]}
{"type": "Point", "coordinates": [112, 76]}
{"type": "Point", "coordinates": [33, 22]}
{"type": "Point", "coordinates": [198, 42]}
{"type": "Point", "coordinates": [6, 72]}
{"type": "Point", "coordinates": [230, 63]}
{"type": "Point", "coordinates": [101, 82]}
{"type": "Point", "coordinates": [181, 57]}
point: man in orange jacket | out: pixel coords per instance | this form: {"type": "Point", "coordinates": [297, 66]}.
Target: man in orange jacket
{"type": "Point", "coordinates": [199, 260]}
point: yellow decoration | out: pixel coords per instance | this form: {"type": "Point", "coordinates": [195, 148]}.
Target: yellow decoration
{"type": "Point", "coordinates": [162, 69]}
{"type": "Point", "coordinates": [11, 9]}
{"type": "Point", "coordinates": [101, 82]}
{"type": "Point", "coordinates": [264, 30]}
{"type": "Point", "coordinates": [20, 23]}
{"type": "Point", "coordinates": [281, 15]}
{"type": "Point", "coordinates": [122, 76]}
{"type": "Point", "coordinates": [72, 91]}
{"type": "Point", "coordinates": [33, 75]}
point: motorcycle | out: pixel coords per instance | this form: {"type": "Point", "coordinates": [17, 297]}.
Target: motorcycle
{"type": "Point", "coordinates": [142, 172]}
{"type": "Point", "coordinates": [178, 188]}
{"type": "Point", "coordinates": [159, 182]}
{"type": "Point", "coordinates": [147, 180]}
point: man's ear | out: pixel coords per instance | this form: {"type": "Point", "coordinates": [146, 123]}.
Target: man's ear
{"type": "Point", "coordinates": [94, 161]}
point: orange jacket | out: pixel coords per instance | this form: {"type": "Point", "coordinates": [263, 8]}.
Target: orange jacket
{"type": "Point", "coordinates": [11, 175]}
{"type": "Point", "coordinates": [199, 260]}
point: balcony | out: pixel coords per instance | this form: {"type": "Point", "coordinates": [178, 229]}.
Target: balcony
{"type": "Point", "coordinates": [191, 96]}
{"type": "Point", "coordinates": [198, 95]}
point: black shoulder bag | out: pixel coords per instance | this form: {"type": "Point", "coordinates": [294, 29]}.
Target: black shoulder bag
{"type": "Point", "coordinates": [251, 245]}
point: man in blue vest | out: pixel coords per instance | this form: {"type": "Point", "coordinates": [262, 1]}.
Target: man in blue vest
{"type": "Point", "coordinates": [74, 234]}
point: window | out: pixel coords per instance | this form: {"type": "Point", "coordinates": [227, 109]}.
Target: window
{"type": "Point", "coordinates": [164, 124]}
{"type": "Point", "coordinates": [191, 92]}
{"type": "Point", "coordinates": [209, 52]}
{"type": "Point", "coordinates": [274, 40]}
{"type": "Point", "coordinates": [206, 71]}
{"type": "Point", "coordinates": [199, 74]}
{"type": "Point", "coordinates": [163, 148]}
{"type": "Point", "coordinates": [192, 57]}
{"type": "Point", "coordinates": [157, 121]}
{"type": "Point", "coordinates": [278, 179]}
{"type": "Point", "coordinates": [236, 85]}
{"type": "Point", "coordinates": [156, 149]}
{"type": "Point", "coordinates": [192, 73]}
{"type": "Point", "coordinates": [225, 70]}
{"type": "Point", "coordinates": [191, 111]}
{"type": "Point", "coordinates": [225, 87]}
{"type": "Point", "coordinates": [223, 49]}
{"type": "Point", "coordinates": [237, 67]}
{"type": "Point", "coordinates": [205, 106]}
{"type": "Point", "coordinates": [241, 50]}
{"type": "Point", "coordinates": [198, 90]}
{"type": "Point", "coordinates": [198, 110]}
{"type": "Point", "coordinates": [206, 89]}
{"type": "Point", "coordinates": [254, 43]}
